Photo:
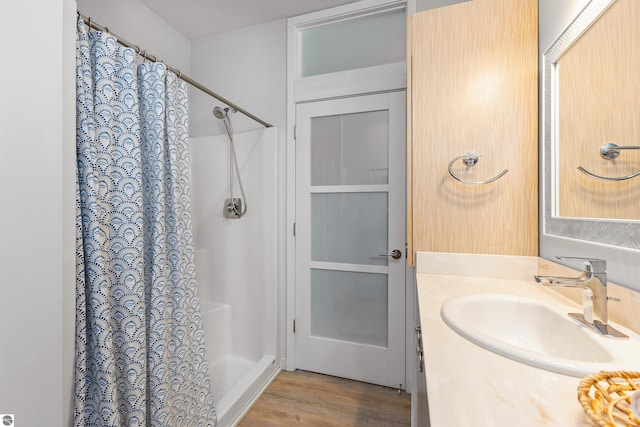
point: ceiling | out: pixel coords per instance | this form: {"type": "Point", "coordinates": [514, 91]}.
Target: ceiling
{"type": "Point", "coordinates": [201, 18]}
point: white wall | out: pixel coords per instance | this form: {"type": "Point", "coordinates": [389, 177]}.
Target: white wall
{"type": "Point", "coordinates": [553, 17]}
{"type": "Point", "coordinates": [249, 68]}
{"type": "Point", "coordinates": [137, 24]}
{"type": "Point", "coordinates": [36, 125]}
{"type": "Point", "coordinates": [420, 5]}
{"type": "Point", "coordinates": [69, 209]}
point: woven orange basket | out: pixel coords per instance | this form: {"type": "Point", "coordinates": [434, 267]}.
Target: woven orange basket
{"type": "Point", "coordinates": [606, 398]}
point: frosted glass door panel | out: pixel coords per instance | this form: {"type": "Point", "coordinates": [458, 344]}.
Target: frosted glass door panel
{"type": "Point", "coordinates": [349, 228]}
{"type": "Point", "coordinates": [350, 149]}
{"type": "Point", "coordinates": [354, 43]}
{"type": "Point", "coordinates": [349, 306]}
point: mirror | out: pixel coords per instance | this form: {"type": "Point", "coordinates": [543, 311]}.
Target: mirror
{"type": "Point", "coordinates": [591, 96]}
{"type": "Point", "coordinates": [597, 98]}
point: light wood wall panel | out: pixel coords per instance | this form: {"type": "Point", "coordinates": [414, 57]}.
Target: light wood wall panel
{"type": "Point", "coordinates": [599, 102]}
{"type": "Point", "coordinates": [474, 88]}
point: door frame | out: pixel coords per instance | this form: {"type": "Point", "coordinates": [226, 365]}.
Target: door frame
{"type": "Point", "coordinates": [362, 81]}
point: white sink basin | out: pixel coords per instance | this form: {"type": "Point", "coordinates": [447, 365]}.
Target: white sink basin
{"type": "Point", "coordinates": [539, 334]}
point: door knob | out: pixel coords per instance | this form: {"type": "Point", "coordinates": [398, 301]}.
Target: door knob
{"type": "Point", "coordinates": [395, 254]}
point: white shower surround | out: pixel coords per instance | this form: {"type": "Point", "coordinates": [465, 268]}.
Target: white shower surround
{"type": "Point", "coordinates": [237, 266]}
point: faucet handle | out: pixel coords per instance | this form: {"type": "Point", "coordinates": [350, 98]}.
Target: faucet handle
{"type": "Point", "coordinates": [593, 265]}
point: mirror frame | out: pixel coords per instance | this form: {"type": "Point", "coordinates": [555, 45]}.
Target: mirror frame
{"type": "Point", "coordinates": [617, 241]}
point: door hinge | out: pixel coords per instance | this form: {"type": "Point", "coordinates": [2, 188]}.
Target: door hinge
{"type": "Point", "coordinates": [295, 135]}
{"type": "Point", "coordinates": [294, 326]}
{"type": "Point", "coordinates": [294, 229]}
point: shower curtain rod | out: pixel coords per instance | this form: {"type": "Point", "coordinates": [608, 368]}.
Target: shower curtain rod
{"type": "Point", "coordinates": [181, 76]}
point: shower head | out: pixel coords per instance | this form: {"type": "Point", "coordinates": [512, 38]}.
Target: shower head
{"type": "Point", "coordinates": [221, 113]}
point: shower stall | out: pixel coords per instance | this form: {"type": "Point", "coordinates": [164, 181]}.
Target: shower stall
{"type": "Point", "coordinates": [236, 265]}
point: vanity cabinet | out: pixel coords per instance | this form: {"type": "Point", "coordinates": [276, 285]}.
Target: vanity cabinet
{"type": "Point", "coordinates": [473, 87]}
{"type": "Point", "coordinates": [419, 397]}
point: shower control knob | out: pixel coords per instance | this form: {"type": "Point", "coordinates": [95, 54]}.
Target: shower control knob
{"type": "Point", "coordinates": [395, 254]}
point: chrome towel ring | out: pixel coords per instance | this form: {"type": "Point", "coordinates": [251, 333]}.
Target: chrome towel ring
{"type": "Point", "coordinates": [470, 159]}
{"type": "Point", "coordinates": [610, 151]}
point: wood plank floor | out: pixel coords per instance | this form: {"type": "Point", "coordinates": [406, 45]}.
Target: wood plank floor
{"type": "Point", "coordinates": [307, 399]}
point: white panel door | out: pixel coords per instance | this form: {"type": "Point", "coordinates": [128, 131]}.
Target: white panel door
{"type": "Point", "coordinates": [350, 223]}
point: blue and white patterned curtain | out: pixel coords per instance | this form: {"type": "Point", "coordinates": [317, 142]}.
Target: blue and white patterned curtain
{"type": "Point", "coordinates": [140, 353]}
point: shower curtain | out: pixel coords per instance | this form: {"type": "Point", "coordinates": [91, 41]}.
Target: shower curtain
{"type": "Point", "coordinates": [140, 354]}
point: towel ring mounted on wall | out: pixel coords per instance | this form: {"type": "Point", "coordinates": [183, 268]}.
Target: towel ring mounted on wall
{"type": "Point", "coordinates": [610, 151]}
{"type": "Point", "coordinates": [470, 159]}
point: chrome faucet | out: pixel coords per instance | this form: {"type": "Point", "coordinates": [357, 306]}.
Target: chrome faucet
{"type": "Point", "coordinates": [593, 280]}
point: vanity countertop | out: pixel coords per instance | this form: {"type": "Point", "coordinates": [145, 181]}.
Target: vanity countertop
{"type": "Point", "coordinates": [468, 385]}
